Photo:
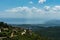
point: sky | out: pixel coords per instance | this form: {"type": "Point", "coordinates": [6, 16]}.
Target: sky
{"type": "Point", "coordinates": [29, 11]}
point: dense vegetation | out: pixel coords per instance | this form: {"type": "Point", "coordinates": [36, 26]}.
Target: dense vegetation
{"type": "Point", "coordinates": [37, 32]}
{"type": "Point", "coordinates": [16, 32]}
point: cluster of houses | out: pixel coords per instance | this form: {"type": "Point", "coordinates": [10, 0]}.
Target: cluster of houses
{"type": "Point", "coordinates": [3, 29]}
{"type": "Point", "coordinates": [23, 32]}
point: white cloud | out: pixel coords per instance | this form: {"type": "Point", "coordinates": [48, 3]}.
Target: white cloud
{"type": "Point", "coordinates": [42, 1]}
{"type": "Point", "coordinates": [14, 10]}
{"type": "Point", "coordinates": [31, 2]}
{"type": "Point", "coordinates": [47, 8]}
{"type": "Point", "coordinates": [26, 12]}
{"type": "Point", "coordinates": [56, 8]}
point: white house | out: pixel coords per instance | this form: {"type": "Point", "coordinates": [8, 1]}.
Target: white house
{"type": "Point", "coordinates": [0, 30]}
{"type": "Point", "coordinates": [23, 32]}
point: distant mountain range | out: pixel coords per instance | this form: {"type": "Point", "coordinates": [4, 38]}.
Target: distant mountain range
{"type": "Point", "coordinates": [53, 23]}
{"type": "Point", "coordinates": [18, 21]}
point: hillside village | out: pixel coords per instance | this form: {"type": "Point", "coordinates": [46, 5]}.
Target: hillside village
{"type": "Point", "coordinates": [7, 32]}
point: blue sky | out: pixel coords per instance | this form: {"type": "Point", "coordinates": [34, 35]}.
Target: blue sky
{"type": "Point", "coordinates": [7, 4]}
{"type": "Point", "coordinates": [29, 11]}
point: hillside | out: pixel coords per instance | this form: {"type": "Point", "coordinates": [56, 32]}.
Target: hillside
{"type": "Point", "coordinates": [29, 32]}
{"type": "Point", "coordinates": [8, 32]}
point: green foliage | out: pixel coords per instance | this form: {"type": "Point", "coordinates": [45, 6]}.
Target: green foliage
{"type": "Point", "coordinates": [44, 33]}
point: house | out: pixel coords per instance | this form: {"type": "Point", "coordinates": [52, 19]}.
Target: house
{"type": "Point", "coordinates": [12, 34]}
{"type": "Point", "coordinates": [5, 28]}
{"type": "Point", "coordinates": [0, 30]}
{"type": "Point", "coordinates": [24, 32]}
